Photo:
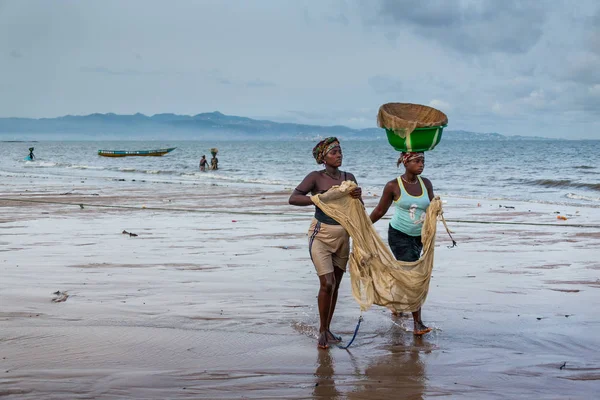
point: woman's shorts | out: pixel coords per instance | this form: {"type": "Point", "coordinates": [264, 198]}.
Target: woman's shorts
{"type": "Point", "coordinates": [404, 247]}
{"type": "Point", "coordinates": [329, 247]}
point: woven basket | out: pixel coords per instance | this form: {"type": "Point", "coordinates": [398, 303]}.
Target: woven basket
{"type": "Point", "coordinates": [214, 151]}
{"type": "Point", "coordinates": [412, 127]}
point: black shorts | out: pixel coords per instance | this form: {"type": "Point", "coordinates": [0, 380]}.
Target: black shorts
{"type": "Point", "coordinates": [404, 247]}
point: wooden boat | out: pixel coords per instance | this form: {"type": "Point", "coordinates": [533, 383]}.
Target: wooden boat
{"type": "Point", "coordinates": [126, 153]}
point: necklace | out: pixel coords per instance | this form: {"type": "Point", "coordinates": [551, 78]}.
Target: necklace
{"type": "Point", "coordinates": [410, 183]}
{"type": "Point", "coordinates": [331, 176]}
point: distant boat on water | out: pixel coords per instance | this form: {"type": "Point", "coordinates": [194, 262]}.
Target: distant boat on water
{"type": "Point", "coordinates": [126, 153]}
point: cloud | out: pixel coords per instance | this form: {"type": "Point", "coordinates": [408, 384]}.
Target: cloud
{"type": "Point", "coordinates": [472, 27]}
{"type": "Point", "coordinates": [125, 72]}
{"type": "Point", "coordinates": [582, 68]}
{"type": "Point", "coordinates": [223, 78]}
{"type": "Point", "coordinates": [15, 54]}
{"type": "Point", "coordinates": [338, 19]}
{"type": "Point", "coordinates": [595, 90]}
{"type": "Point", "coordinates": [537, 99]}
{"type": "Point", "coordinates": [385, 84]}
{"type": "Point", "coordinates": [440, 105]}
{"type": "Point", "coordinates": [592, 32]}
{"type": "Point", "coordinates": [259, 83]}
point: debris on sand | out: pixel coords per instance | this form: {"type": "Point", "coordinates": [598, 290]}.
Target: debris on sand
{"type": "Point", "coordinates": [128, 233]}
{"type": "Point", "coordinates": [60, 296]}
{"type": "Point", "coordinates": [563, 365]}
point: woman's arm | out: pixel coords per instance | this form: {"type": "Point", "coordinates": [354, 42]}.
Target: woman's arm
{"type": "Point", "coordinates": [384, 202]}
{"type": "Point", "coordinates": [299, 197]}
{"type": "Point", "coordinates": [429, 188]}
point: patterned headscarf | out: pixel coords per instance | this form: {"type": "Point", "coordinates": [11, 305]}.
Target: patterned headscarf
{"type": "Point", "coordinates": [406, 157]}
{"type": "Point", "coordinates": [323, 147]}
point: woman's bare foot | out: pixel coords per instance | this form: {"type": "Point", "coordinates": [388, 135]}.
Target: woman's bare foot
{"type": "Point", "coordinates": [323, 342]}
{"type": "Point", "coordinates": [421, 329]}
{"type": "Point", "coordinates": [333, 338]}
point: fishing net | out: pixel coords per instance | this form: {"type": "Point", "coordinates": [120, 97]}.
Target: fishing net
{"type": "Point", "coordinates": [377, 277]}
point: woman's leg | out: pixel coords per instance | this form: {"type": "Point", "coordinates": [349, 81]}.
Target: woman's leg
{"type": "Point", "coordinates": [419, 327]}
{"type": "Point", "coordinates": [339, 260]}
{"type": "Point", "coordinates": [324, 300]}
{"type": "Point", "coordinates": [329, 254]}
{"type": "Point", "coordinates": [339, 274]}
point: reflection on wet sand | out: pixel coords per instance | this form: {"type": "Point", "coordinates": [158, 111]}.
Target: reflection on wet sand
{"type": "Point", "coordinates": [398, 374]}
{"type": "Point", "coordinates": [396, 370]}
{"type": "Point", "coordinates": [324, 377]}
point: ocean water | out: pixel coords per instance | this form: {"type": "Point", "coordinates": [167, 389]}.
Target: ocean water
{"type": "Point", "coordinates": [560, 172]}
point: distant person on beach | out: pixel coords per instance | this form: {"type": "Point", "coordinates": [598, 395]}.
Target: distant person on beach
{"type": "Point", "coordinates": [203, 163]}
{"type": "Point", "coordinates": [411, 195]}
{"type": "Point", "coordinates": [214, 163]}
{"type": "Point", "coordinates": [31, 156]}
{"type": "Point", "coordinates": [329, 243]}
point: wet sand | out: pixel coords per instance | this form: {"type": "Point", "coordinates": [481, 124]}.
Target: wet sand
{"type": "Point", "coordinates": [205, 303]}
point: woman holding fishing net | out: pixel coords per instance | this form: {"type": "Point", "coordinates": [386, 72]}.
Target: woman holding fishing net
{"type": "Point", "coordinates": [329, 243]}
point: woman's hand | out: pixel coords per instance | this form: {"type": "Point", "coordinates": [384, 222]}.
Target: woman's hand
{"type": "Point", "coordinates": [356, 193]}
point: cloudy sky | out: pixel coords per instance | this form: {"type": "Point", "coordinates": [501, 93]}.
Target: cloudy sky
{"type": "Point", "coordinates": [513, 67]}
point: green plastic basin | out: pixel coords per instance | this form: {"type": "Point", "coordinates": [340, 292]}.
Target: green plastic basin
{"type": "Point", "coordinates": [421, 139]}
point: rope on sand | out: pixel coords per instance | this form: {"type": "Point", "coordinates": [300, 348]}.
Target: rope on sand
{"type": "Point", "coordinates": [210, 211]}
{"type": "Point", "coordinates": [360, 319]}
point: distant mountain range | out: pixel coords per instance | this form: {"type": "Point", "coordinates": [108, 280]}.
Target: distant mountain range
{"type": "Point", "coordinates": [213, 125]}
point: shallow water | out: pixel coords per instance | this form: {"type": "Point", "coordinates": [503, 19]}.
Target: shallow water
{"type": "Point", "coordinates": [559, 172]}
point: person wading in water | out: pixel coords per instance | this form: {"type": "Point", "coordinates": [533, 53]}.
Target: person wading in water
{"type": "Point", "coordinates": [411, 195]}
{"type": "Point", "coordinates": [203, 163]}
{"type": "Point", "coordinates": [329, 243]}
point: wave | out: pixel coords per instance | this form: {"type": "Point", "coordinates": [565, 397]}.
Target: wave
{"type": "Point", "coordinates": [201, 176]}
{"type": "Point", "coordinates": [85, 167]}
{"type": "Point", "coordinates": [581, 197]}
{"type": "Point", "coordinates": [40, 164]}
{"type": "Point", "coordinates": [563, 183]}
{"type": "Point", "coordinates": [584, 167]}
{"type": "Point", "coordinates": [238, 179]}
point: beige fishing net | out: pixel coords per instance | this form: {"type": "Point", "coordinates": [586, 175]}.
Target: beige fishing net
{"type": "Point", "coordinates": [403, 118]}
{"type": "Point", "coordinates": [377, 277]}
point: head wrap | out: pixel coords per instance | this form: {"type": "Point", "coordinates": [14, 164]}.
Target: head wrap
{"type": "Point", "coordinates": [406, 157]}
{"type": "Point", "coordinates": [323, 147]}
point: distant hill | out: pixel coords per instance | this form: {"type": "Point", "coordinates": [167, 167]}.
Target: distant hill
{"type": "Point", "coordinates": [213, 125]}
{"type": "Point", "coordinates": [465, 135]}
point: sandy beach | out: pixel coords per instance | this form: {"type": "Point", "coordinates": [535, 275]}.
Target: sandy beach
{"type": "Point", "coordinates": [215, 298]}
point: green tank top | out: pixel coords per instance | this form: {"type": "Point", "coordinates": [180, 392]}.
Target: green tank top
{"type": "Point", "coordinates": [409, 212]}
